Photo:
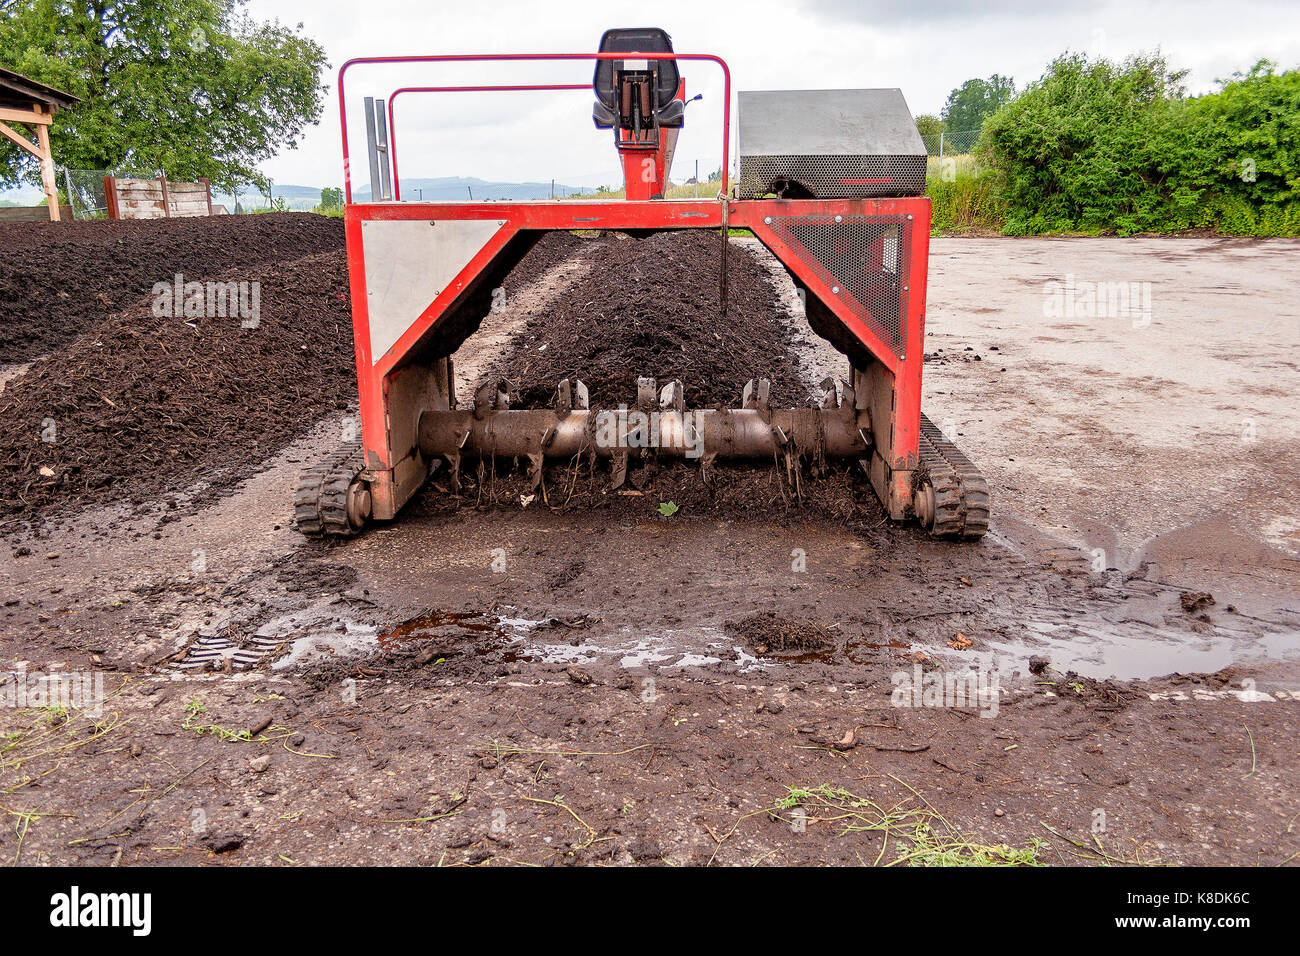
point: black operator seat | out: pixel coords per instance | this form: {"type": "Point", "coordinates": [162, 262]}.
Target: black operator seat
{"type": "Point", "coordinates": [669, 110]}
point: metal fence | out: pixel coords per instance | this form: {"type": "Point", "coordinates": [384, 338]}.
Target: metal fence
{"type": "Point", "coordinates": [951, 142]}
{"type": "Point", "coordinates": [85, 191]}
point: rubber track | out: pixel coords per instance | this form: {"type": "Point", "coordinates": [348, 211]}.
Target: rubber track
{"type": "Point", "coordinates": [320, 504]}
{"type": "Point", "coordinates": [961, 495]}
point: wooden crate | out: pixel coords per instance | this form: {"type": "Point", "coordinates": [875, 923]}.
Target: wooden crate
{"type": "Point", "coordinates": [131, 198]}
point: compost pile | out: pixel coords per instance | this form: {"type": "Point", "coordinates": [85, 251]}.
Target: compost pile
{"type": "Point", "coordinates": [140, 404]}
{"type": "Point", "coordinates": [547, 253]}
{"type": "Point", "coordinates": [59, 279]}
{"type": "Point", "coordinates": [649, 307]}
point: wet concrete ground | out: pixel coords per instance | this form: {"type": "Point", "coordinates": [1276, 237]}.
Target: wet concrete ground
{"type": "Point", "coordinates": [1132, 459]}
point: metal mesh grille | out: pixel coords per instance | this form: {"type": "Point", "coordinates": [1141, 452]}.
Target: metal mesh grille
{"type": "Point", "coordinates": [863, 260]}
{"type": "Point", "coordinates": [833, 177]}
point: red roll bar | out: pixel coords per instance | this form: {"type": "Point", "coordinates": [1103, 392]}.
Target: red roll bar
{"type": "Point", "coordinates": [525, 57]}
{"type": "Point", "coordinates": [392, 102]}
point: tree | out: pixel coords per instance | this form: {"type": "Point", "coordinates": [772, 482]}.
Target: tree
{"type": "Point", "coordinates": [331, 197]}
{"type": "Point", "coordinates": [969, 104]}
{"type": "Point", "coordinates": [929, 127]}
{"type": "Point", "coordinates": [191, 88]}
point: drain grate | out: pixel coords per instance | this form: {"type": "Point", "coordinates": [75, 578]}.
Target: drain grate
{"type": "Point", "coordinates": [216, 650]}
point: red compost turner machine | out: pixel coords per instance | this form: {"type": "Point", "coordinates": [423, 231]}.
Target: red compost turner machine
{"type": "Point", "coordinates": [831, 181]}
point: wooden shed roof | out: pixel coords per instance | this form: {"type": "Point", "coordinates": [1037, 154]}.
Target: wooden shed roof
{"type": "Point", "coordinates": [18, 89]}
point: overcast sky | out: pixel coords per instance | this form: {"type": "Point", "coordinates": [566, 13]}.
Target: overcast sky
{"type": "Point", "coordinates": [926, 47]}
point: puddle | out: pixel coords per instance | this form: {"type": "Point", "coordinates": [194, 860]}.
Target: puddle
{"type": "Point", "coordinates": [1135, 644]}
{"type": "Point", "coordinates": [693, 660]}
{"type": "Point", "coordinates": [644, 655]}
{"type": "Point", "coordinates": [355, 640]}
{"type": "Point", "coordinates": [668, 649]}
{"type": "Point", "coordinates": [436, 624]}
{"type": "Point", "coordinates": [1101, 652]}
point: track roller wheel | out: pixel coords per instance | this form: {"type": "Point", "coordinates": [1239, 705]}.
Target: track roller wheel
{"type": "Point", "coordinates": [332, 501]}
{"type": "Point", "coordinates": [951, 497]}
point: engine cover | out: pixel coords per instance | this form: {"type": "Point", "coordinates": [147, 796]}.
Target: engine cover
{"type": "Point", "coordinates": [829, 144]}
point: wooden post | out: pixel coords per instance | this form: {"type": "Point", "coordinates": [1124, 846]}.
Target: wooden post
{"type": "Point", "coordinates": [48, 180]}
{"type": "Point", "coordinates": [207, 187]}
{"type": "Point", "coordinates": [167, 202]}
{"type": "Point", "coordinates": [110, 197]}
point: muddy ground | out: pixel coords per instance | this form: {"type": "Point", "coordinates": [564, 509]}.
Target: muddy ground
{"type": "Point", "coordinates": [504, 685]}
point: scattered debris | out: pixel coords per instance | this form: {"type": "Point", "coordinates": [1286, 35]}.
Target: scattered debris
{"type": "Point", "coordinates": [767, 632]}
{"type": "Point", "coordinates": [224, 842]}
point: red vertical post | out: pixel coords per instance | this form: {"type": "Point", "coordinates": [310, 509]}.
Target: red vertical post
{"type": "Point", "coordinates": [907, 380]}
{"type": "Point", "coordinates": [110, 197]}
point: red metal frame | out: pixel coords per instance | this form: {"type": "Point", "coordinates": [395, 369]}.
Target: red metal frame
{"type": "Point", "coordinates": [636, 185]}
{"type": "Point", "coordinates": [392, 103]}
{"type": "Point", "coordinates": [528, 58]}
{"type": "Point", "coordinates": [896, 414]}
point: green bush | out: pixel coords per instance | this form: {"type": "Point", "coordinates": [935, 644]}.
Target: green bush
{"type": "Point", "coordinates": [1084, 148]}
{"type": "Point", "coordinates": [1098, 147]}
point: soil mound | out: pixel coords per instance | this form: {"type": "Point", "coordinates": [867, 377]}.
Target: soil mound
{"type": "Point", "coordinates": [58, 279]}
{"type": "Point", "coordinates": [144, 404]}
{"type": "Point", "coordinates": [650, 307]}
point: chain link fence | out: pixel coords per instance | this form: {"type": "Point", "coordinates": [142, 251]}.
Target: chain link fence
{"type": "Point", "coordinates": [84, 189]}
{"type": "Point", "coordinates": [85, 192]}
{"type": "Point", "coordinates": [951, 154]}
{"type": "Point", "coordinates": [951, 142]}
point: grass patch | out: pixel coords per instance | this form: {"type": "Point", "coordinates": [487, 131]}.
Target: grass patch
{"type": "Point", "coordinates": [195, 709]}
{"type": "Point", "coordinates": [920, 836]}
{"type": "Point", "coordinates": [34, 747]}
{"type": "Point", "coordinates": [964, 200]}
{"type": "Point", "coordinates": [47, 735]}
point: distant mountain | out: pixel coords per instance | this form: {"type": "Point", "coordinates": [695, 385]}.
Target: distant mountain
{"type": "Point", "coordinates": [296, 192]}
{"type": "Point", "coordinates": [295, 196]}
{"type": "Point", "coordinates": [441, 189]}
{"type": "Point", "coordinates": [460, 188]}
